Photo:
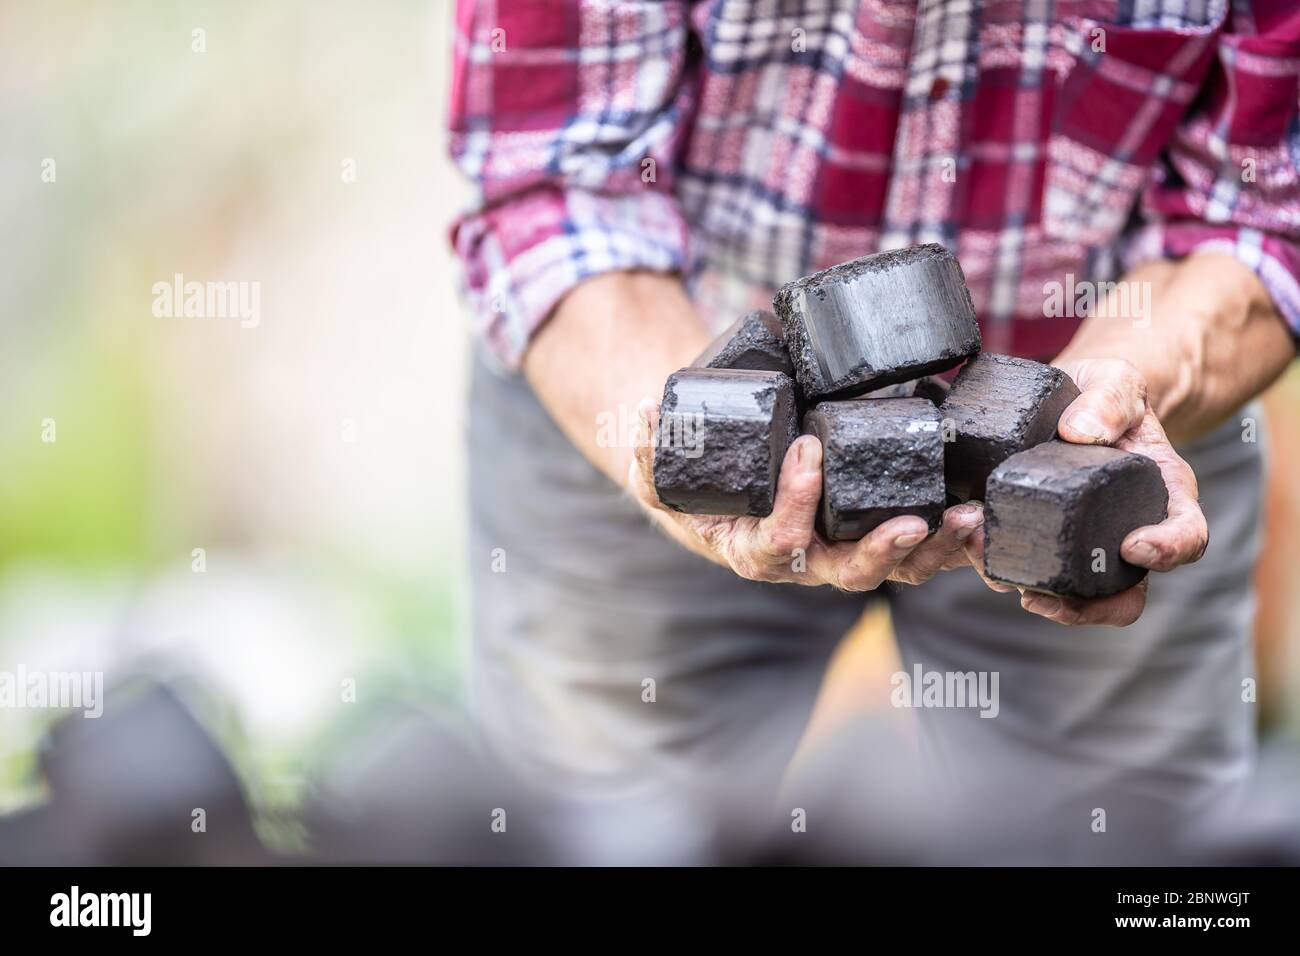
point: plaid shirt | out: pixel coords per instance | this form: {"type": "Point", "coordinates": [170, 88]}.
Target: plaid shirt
{"type": "Point", "coordinates": [744, 143]}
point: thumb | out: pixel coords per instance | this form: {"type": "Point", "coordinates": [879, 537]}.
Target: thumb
{"type": "Point", "coordinates": [798, 492]}
{"type": "Point", "coordinates": [641, 478]}
{"type": "Point", "coordinates": [1110, 404]}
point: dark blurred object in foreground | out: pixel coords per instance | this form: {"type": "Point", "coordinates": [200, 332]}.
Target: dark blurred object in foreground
{"type": "Point", "coordinates": [865, 796]}
{"type": "Point", "coordinates": [125, 789]}
{"type": "Point", "coordinates": [405, 790]}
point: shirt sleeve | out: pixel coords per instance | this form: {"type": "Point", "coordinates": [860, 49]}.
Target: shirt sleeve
{"type": "Point", "coordinates": [566, 117]}
{"type": "Point", "coordinates": [1228, 180]}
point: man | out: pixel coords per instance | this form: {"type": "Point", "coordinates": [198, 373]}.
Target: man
{"type": "Point", "coordinates": [648, 171]}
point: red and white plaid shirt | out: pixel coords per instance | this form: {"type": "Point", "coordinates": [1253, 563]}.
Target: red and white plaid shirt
{"type": "Point", "coordinates": [744, 143]}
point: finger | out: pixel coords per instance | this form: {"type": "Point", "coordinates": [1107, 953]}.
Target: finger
{"type": "Point", "coordinates": [863, 565]}
{"type": "Point", "coordinates": [1184, 535]}
{"type": "Point", "coordinates": [1118, 610]}
{"type": "Point", "coordinates": [641, 477]}
{"type": "Point", "coordinates": [975, 555]}
{"type": "Point", "coordinates": [798, 492]}
{"type": "Point", "coordinates": [944, 550]}
{"type": "Point", "coordinates": [1113, 402]}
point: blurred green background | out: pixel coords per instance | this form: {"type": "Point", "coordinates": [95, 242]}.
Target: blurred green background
{"type": "Point", "coordinates": [316, 458]}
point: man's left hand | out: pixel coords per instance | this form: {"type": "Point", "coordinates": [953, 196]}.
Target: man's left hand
{"type": "Point", "coordinates": [1113, 410]}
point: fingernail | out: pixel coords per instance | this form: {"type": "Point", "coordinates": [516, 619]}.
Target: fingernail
{"type": "Point", "coordinates": [909, 540]}
{"type": "Point", "coordinates": [1040, 603]}
{"type": "Point", "coordinates": [801, 451]}
{"type": "Point", "coordinates": [808, 453]}
{"type": "Point", "coordinates": [971, 518]}
{"type": "Point", "coordinates": [1087, 424]}
{"type": "Point", "coordinates": [1144, 553]}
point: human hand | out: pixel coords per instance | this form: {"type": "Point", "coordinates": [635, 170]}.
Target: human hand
{"type": "Point", "coordinates": [785, 546]}
{"type": "Point", "coordinates": [1113, 409]}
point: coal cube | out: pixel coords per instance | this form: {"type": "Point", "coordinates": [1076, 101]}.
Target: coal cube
{"type": "Point", "coordinates": [877, 321]}
{"type": "Point", "coordinates": [722, 436]}
{"type": "Point", "coordinates": [999, 405]}
{"type": "Point", "coordinates": [1055, 516]}
{"type": "Point", "coordinates": [932, 388]}
{"type": "Point", "coordinates": [754, 341]}
{"type": "Point", "coordinates": [880, 458]}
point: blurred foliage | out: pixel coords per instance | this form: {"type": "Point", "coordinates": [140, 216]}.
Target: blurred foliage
{"type": "Point", "coordinates": [224, 164]}
{"type": "Point", "coordinates": [78, 501]}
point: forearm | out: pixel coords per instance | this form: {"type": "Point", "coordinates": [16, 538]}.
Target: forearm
{"type": "Point", "coordinates": [612, 341]}
{"type": "Point", "coordinates": [1210, 341]}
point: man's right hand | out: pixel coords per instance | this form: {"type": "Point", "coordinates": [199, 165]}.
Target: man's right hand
{"type": "Point", "coordinates": [785, 546]}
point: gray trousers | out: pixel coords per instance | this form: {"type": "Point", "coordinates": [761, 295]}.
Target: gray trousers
{"type": "Point", "coordinates": [609, 662]}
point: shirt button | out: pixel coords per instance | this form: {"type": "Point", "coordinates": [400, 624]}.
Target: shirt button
{"type": "Point", "coordinates": [938, 88]}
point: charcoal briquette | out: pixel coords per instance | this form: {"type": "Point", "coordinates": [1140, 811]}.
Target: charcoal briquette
{"type": "Point", "coordinates": [1056, 515]}
{"type": "Point", "coordinates": [722, 436]}
{"type": "Point", "coordinates": [881, 458]}
{"type": "Point", "coordinates": [932, 388]}
{"type": "Point", "coordinates": [876, 321]}
{"type": "Point", "coordinates": [754, 341]}
{"type": "Point", "coordinates": [998, 406]}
